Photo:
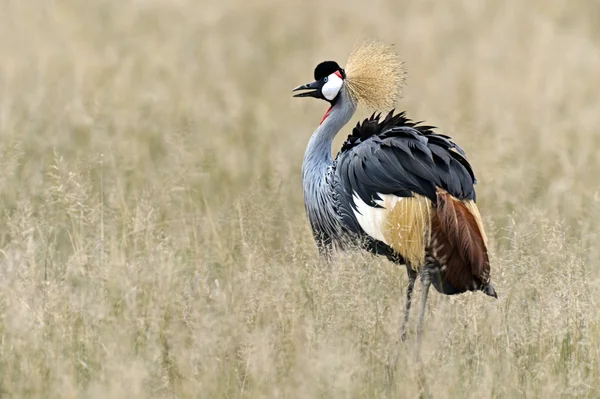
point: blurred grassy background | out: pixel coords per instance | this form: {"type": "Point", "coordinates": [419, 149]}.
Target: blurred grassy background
{"type": "Point", "coordinates": [154, 242]}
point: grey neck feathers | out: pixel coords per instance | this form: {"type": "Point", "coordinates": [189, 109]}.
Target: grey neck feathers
{"type": "Point", "coordinates": [317, 157]}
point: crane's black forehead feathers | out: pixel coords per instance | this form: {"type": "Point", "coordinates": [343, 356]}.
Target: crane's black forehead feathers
{"type": "Point", "coordinates": [326, 68]}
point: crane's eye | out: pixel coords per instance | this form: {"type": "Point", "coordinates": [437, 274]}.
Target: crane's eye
{"type": "Point", "coordinates": [325, 79]}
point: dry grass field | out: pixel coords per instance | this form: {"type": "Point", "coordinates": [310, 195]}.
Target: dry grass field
{"type": "Point", "coordinates": [153, 241]}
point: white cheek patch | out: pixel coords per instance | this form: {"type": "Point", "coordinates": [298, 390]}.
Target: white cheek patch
{"type": "Point", "coordinates": [332, 87]}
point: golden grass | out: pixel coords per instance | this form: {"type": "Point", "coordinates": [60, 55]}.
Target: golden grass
{"type": "Point", "coordinates": [154, 242]}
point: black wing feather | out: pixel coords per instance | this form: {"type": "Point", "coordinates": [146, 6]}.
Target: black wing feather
{"type": "Point", "coordinates": [398, 156]}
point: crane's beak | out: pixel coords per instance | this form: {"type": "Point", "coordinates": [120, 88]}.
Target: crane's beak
{"type": "Point", "coordinates": [315, 88]}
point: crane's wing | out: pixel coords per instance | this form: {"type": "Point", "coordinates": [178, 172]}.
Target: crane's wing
{"type": "Point", "coordinates": [402, 158]}
{"type": "Point", "coordinates": [400, 182]}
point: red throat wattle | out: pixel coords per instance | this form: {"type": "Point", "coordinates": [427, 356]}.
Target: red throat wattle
{"type": "Point", "coordinates": [326, 115]}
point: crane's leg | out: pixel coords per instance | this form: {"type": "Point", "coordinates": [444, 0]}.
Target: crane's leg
{"type": "Point", "coordinates": [412, 277]}
{"type": "Point", "coordinates": [426, 279]}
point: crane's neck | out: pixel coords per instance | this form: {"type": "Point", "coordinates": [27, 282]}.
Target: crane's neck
{"type": "Point", "coordinates": [317, 157]}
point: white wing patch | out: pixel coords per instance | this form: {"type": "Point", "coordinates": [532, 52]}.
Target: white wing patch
{"type": "Point", "coordinates": [374, 220]}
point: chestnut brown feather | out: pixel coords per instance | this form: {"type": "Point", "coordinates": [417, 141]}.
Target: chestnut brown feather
{"type": "Point", "coordinates": [458, 244]}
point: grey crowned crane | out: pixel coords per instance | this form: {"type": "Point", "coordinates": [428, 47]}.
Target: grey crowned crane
{"type": "Point", "coordinates": [396, 187]}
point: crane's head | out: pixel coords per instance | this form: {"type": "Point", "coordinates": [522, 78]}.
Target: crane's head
{"type": "Point", "coordinates": [374, 75]}
{"type": "Point", "coordinates": [329, 79]}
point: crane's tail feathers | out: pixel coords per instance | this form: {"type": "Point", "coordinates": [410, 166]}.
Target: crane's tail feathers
{"type": "Point", "coordinates": [459, 243]}
{"type": "Point", "coordinates": [489, 289]}
{"type": "Point", "coordinates": [472, 207]}
{"type": "Point", "coordinates": [452, 230]}
{"type": "Point", "coordinates": [461, 227]}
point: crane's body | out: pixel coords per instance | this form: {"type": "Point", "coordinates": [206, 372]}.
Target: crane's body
{"type": "Point", "coordinates": [396, 188]}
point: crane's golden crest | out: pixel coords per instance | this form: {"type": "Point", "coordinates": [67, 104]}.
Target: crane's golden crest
{"type": "Point", "coordinates": [375, 75]}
